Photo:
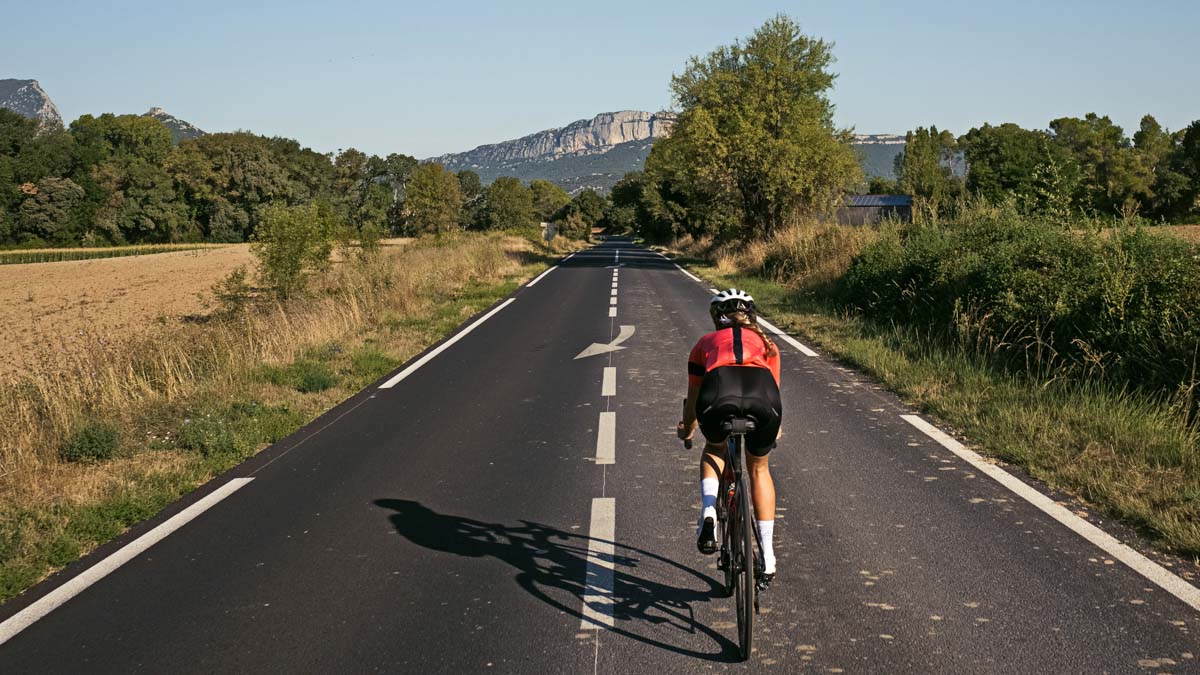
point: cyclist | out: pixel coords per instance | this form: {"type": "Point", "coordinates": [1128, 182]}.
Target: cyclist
{"type": "Point", "coordinates": [734, 370]}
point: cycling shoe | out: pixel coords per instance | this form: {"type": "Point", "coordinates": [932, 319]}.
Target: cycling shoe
{"type": "Point", "coordinates": [706, 543]}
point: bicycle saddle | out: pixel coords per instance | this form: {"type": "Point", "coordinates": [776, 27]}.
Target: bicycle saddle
{"type": "Point", "coordinates": [739, 425]}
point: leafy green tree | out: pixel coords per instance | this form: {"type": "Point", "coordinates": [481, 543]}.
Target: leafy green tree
{"type": "Point", "coordinates": [291, 243]}
{"type": "Point", "coordinates": [924, 168]}
{"type": "Point", "coordinates": [227, 178]}
{"type": "Point", "coordinates": [508, 204]}
{"type": "Point", "coordinates": [432, 200]}
{"type": "Point", "coordinates": [1002, 161]}
{"type": "Point", "coordinates": [472, 191]}
{"type": "Point", "coordinates": [548, 198]}
{"type": "Point", "coordinates": [1185, 160]}
{"type": "Point", "coordinates": [46, 214]}
{"type": "Point", "coordinates": [141, 203]}
{"type": "Point", "coordinates": [1112, 177]}
{"type": "Point", "coordinates": [1155, 148]}
{"type": "Point", "coordinates": [756, 134]}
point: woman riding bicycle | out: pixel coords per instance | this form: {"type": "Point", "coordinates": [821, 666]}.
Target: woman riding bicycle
{"type": "Point", "coordinates": [734, 370]}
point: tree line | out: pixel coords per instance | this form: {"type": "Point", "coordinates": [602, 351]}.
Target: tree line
{"type": "Point", "coordinates": [119, 179]}
{"type": "Point", "coordinates": [1076, 167]}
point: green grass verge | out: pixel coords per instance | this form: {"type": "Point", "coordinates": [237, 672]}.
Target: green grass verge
{"type": "Point", "coordinates": [1129, 455]}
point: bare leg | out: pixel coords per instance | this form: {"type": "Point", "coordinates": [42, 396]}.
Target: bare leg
{"type": "Point", "coordinates": [712, 461]}
{"type": "Point", "coordinates": [762, 486]}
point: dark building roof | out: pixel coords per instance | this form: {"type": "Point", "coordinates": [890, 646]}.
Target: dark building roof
{"type": "Point", "coordinates": [878, 200]}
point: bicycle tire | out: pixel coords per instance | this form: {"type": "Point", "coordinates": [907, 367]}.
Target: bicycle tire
{"type": "Point", "coordinates": [744, 585]}
{"type": "Point", "coordinates": [725, 559]}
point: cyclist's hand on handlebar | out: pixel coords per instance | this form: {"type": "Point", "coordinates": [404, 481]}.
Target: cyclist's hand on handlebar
{"type": "Point", "coordinates": [683, 432]}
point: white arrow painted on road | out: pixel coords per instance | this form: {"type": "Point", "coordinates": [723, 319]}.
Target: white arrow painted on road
{"type": "Point", "coordinates": [615, 345]}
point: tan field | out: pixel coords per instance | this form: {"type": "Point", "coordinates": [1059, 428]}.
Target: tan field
{"type": "Point", "coordinates": [1189, 232]}
{"type": "Point", "coordinates": [49, 309]}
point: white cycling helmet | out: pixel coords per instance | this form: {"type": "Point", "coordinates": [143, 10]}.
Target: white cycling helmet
{"type": "Point", "coordinates": [730, 301]}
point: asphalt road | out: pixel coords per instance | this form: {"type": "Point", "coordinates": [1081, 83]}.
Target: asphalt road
{"type": "Point", "coordinates": [508, 507]}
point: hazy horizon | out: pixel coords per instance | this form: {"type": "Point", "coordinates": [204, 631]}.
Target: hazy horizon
{"type": "Point", "coordinates": [427, 82]}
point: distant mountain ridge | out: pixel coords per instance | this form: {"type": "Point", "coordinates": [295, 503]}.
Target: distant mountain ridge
{"type": "Point", "coordinates": [180, 130]}
{"type": "Point", "coordinates": [595, 153]}
{"type": "Point", "coordinates": [589, 153]}
{"type": "Point", "coordinates": [27, 98]}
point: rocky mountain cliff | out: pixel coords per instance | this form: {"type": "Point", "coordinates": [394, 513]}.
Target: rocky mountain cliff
{"type": "Point", "coordinates": [583, 137]}
{"type": "Point", "coordinates": [595, 153]}
{"type": "Point", "coordinates": [180, 130]}
{"type": "Point", "coordinates": [27, 98]}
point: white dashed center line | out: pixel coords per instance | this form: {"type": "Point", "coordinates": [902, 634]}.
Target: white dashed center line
{"type": "Point", "coordinates": [606, 439]}
{"type": "Point", "coordinates": [598, 582]}
{"type": "Point", "coordinates": [609, 388]}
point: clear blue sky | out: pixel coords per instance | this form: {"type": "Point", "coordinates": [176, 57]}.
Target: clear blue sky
{"type": "Point", "coordinates": [431, 77]}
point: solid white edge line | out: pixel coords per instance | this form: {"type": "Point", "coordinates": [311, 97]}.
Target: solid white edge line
{"type": "Point", "coordinates": [606, 439]}
{"type": "Point", "coordinates": [612, 311]}
{"type": "Point", "coordinates": [568, 258]}
{"type": "Point", "coordinates": [1139, 563]}
{"type": "Point", "coordinates": [399, 377]}
{"type": "Point", "coordinates": [598, 579]}
{"type": "Point", "coordinates": [786, 338]}
{"type": "Point", "coordinates": [691, 276]}
{"type": "Point", "coordinates": [609, 387]}
{"type": "Point", "coordinates": [539, 277]}
{"type": "Point", "coordinates": [56, 598]}
{"type": "Point", "coordinates": [713, 291]}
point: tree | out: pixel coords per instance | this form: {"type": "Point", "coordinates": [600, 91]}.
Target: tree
{"type": "Point", "coordinates": [291, 243]}
{"type": "Point", "coordinates": [924, 168]}
{"type": "Point", "coordinates": [472, 195]}
{"type": "Point", "coordinates": [1156, 148]}
{"type": "Point", "coordinates": [548, 198]}
{"type": "Point", "coordinates": [432, 200]}
{"type": "Point", "coordinates": [1112, 179]}
{"type": "Point", "coordinates": [508, 205]}
{"type": "Point", "coordinates": [46, 212]}
{"type": "Point", "coordinates": [1185, 160]}
{"type": "Point", "coordinates": [141, 203]}
{"type": "Point", "coordinates": [1002, 161]}
{"type": "Point", "coordinates": [756, 133]}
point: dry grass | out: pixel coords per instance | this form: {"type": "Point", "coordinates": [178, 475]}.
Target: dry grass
{"type": "Point", "coordinates": [1188, 232]}
{"type": "Point", "coordinates": [384, 309]}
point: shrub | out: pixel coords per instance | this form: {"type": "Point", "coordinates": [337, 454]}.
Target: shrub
{"type": "Point", "coordinates": [93, 441]}
{"type": "Point", "coordinates": [291, 243]}
{"type": "Point", "coordinates": [1122, 304]}
{"type": "Point", "coordinates": [233, 293]}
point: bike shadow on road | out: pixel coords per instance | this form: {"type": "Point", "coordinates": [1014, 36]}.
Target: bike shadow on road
{"type": "Point", "coordinates": [547, 558]}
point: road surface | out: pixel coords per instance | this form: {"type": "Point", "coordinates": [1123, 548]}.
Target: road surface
{"type": "Point", "coordinates": [500, 505]}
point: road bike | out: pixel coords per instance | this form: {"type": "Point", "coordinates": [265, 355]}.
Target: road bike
{"type": "Point", "coordinates": [741, 549]}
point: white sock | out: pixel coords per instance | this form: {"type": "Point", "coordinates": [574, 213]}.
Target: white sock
{"type": "Point", "coordinates": [766, 531]}
{"type": "Point", "coordinates": [708, 498]}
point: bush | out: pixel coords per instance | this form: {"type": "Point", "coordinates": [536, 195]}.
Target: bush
{"type": "Point", "coordinates": [1122, 304]}
{"type": "Point", "coordinates": [233, 293]}
{"type": "Point", "coordinates": [93, 441]}
{"type": "Point", "coordinates": [291, 243]}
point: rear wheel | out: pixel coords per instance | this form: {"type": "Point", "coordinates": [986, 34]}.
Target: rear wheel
{"type": "Point", "coordinates": [743, 559]}
{"type": "Point", "coordinates": [725, 560]}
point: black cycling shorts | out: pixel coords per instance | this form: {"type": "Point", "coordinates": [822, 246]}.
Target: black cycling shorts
{"type": "Point", "coordinates": [741, 391]}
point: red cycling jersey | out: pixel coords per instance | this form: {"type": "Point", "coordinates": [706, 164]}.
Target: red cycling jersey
{"type": "Point", "coordinates": [733, 346]}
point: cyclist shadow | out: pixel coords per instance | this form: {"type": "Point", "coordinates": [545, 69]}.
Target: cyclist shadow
{"type": "Point", "coordinates": [547, 558]}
